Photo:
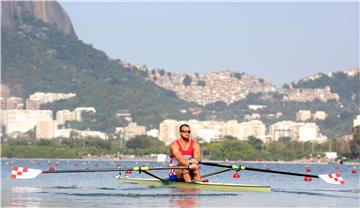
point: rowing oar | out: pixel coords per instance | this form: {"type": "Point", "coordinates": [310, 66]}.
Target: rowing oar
{"type": "Point", "coordinates": [19, 172]}
{"type": "Point", "coordinates": [332, 178]}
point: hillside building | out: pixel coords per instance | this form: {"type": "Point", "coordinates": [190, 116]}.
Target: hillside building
{"type": "Point", "coordinates": [22, 121]}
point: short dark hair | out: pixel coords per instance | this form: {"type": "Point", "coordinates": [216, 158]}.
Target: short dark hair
{"type": "Point", "coordinates": [183, 125]}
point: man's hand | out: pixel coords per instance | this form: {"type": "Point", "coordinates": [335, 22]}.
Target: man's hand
{"type": "Point", "coordinates": [193, 166]}
{"type": "Point", "coordinates": [193, 161]}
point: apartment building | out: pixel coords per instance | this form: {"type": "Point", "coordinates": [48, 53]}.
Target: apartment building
{"type": "Point", "coordinates": [21, 121]}
{"type": "Point", "coordinates": [168, 131]}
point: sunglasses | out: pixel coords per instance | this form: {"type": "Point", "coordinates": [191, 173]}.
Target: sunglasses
{"type": "Point", "coordinates": [185, 131]}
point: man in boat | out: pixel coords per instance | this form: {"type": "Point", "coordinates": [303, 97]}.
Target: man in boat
{"type": "Point", "coordinates": [185, 152]}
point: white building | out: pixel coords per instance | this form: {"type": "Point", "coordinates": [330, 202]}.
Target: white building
{"type": "Point", "coordinates": [303, 115]}
{"type": "Point", "coordinates": [133, 130]}
{"type": "Point", "coordinates": [78, 111]}
{"type": "Point", "coordinates": [66, 133]}
{"type": "Point", "coordinates": [243, 130]}
{"type": "Point", "coordinates": [357, 121]}
{"type": "Point", "coordinates": [50, 97]}
{"type": "Point", "coordinates": [282, 129]}
{"type": "Point", "coordinates": [46, 129]}
{"type": "Point", "coordinates": [254, 128]}
{"type": "Point", "coordinates": [319, 115]}
{"type": "Point", "coordinates": [256, 107]}
{"type": "Point", "coordinates": [232, 128]}
{"type": "Point", "coordinates": [153, 133]}
{"type": "Point", "coordinates": [301, 132]}
{"type": "Point", "coordinates": [209, 134]}
{"type": "Point", "coordinates": [168, 131]}
{"type": "Point", "coordinates": [21, 121]}
{"type": "Point", "coordinates": [64, 115]}
{"type": "Point", "coordinates": [307, 132]}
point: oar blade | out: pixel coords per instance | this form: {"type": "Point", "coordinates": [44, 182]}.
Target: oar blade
{"type": "Point", "coordinates": [333, 178]}
{"type": "Point", "coordinates": [19, 172]}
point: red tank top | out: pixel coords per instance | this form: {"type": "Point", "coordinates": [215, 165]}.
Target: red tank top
{"type": "Point", "coordinates": [189, 151]}
{"type": "Point", "coordinates": [187, 155]}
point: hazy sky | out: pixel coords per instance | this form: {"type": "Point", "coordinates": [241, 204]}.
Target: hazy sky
{"type": "Point", "coordinates": [279, 41]}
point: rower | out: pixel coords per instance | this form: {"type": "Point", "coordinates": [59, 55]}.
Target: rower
{"type": "Point", "coordinates": [185, 152]}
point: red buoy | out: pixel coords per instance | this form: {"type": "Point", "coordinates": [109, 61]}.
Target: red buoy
{"type": "Point", "coordinates": [205, 180]}
{"type": "Point", "coordinates": [128, 171]}
{"type": "Point", "coordinates": [51, 168]}
{"type": "Point", "coordinates": [354, 171]}
{"type": "Point", "coordinates": [307, 179]}
{"type": "Point", "coordinates": [236, 175]}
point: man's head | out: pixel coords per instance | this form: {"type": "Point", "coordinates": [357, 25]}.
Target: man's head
{"type": "Point", "coordinates": [184, 131]}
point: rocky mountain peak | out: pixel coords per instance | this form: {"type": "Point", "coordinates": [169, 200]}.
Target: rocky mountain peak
{"type": "Point", "coordinates": [48, 11]}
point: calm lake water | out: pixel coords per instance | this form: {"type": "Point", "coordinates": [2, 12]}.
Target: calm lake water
{"type": "Point", "coordinates": [85, 190]}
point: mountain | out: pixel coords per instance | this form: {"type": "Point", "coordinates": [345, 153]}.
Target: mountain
{"type": "Point", "coordinates": [41, 52]}
{"type": "Point", "coordinates": [345, 83]}
{"type": "Point", "coordinates": [36, 56]}
{"type": "Point", "coordinates": [48, 11]}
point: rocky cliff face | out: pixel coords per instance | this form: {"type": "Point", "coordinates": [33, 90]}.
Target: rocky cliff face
{"type": "Point", "coordinates": [48, 11]}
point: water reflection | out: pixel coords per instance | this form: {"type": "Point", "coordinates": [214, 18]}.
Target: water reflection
{"type": "Point", "coordinates": [22, 196]}
{"type": "Point", "coordinates": [186, 198]}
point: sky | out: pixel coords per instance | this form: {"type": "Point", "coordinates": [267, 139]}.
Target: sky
{"type": "Point", "coordinates": [280, 41]}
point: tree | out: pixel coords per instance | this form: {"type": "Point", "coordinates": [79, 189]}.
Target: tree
{"type": "Point", "coordinates": [237, 75]}
{"type": "Point", "coordinates": [355, 143]}
{"type": "Point", "coordinates": [142, 145]}
{"type": "Point", "coordinates": [201, 83]}
{"type": "Point", "coordinates": [255, 142]}
{"type": "Point", "coordinates": [187, 80]}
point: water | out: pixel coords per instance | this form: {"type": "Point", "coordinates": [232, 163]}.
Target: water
{"type": "Point", "coordinates": [84, 190]}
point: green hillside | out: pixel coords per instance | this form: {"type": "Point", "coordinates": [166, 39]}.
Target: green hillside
{"type": "Point", "coordinates": [37, 57]}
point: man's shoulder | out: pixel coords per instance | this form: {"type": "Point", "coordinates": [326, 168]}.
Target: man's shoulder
{"type": "Point", "coordinates": [174, 143]}
{"type": "Point", "coordinates": [195, 142]}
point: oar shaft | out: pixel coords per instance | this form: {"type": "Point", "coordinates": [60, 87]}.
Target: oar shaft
{"type": "Point", "coordinates": [145, 168]}
{"type": "Point", "coordinates": [280, 172]}
{"type": "Point", "coordinates": [215, 164]}
{"type": "Point", "coordinates": [84, 170]}
{"type": "Point", "coordinates": [215, 173]}
{"type": "Point", "coordinates": [241, 167]}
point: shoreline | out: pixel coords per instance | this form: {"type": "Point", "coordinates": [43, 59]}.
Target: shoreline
{"type": "Point", "coordinates": [148, 159]}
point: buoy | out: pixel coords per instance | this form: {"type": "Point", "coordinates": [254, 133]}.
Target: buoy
{"type": "Point", "coordinates": [51, 168]}
{"type": "Point", "coordinates": [308, 170]}
{"type": "Point", "coordinates": [128, 171]}
{"type": "Point", "coordinates": [205, 180]}
{"type": "Point", "coordinates": [307, 179]}
{"type": "Point", "coordinates": [354, 171]}
{"type": "Point", "coordinates": [236, 175]}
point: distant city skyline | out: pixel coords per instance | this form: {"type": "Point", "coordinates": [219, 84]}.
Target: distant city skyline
{"type": "Point", "coordinates": [278, 41]}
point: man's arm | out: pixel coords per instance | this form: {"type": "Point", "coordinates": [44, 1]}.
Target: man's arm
{"type": "Point", "coordinates": [197, 151]}
{"type": "Point", "coordinates": [177, 154]}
